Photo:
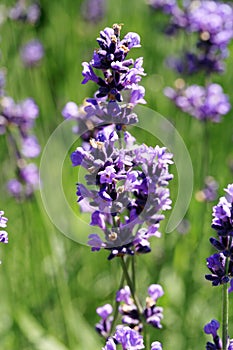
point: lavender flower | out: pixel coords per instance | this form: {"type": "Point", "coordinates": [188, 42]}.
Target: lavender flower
{"type": "Point", "coordinates": [93, 11]}
{"type": "Point", "coordinates": [130, 182]}
{"type": "Point", "coordinates": [32, 53]}
{"type": "Point", "coordinates": [3, 224]}
{"type": "Point", "coordinates": [209, 192]}
{"type": "Point", "coordinates": [211, 21]}
{"type": "Point", "coordinates": [156, 346]}
{"type": "Point", "coordinates": [151, 313]}
{"type": "Point", "coordinates": [128, 338]}
{"type": "Point", "coordinates": [25, 13]}
{"type": "Point", "coordinates": [223, 224]}
{"type": "Point", "coordinates": [167, 6]}
{"type": "Point", "coordinates": [103, 327]}
{"type": "Point", "coordinates": [208, 103]}
{"type": "Point", "coordinates": [212, 328]}
{"type": "Point", "coordinates": [21, 116]}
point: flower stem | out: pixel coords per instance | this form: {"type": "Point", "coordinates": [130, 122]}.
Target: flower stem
{"type": "Point", "coordinates": [130, 284]}
{"type": "Point", "coordinates": [225, 307]}
{"type": "Point", "coordinates": [116, 307]}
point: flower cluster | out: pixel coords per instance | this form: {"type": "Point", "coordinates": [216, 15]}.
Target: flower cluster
{"type": "Point", "coordinates": [17, 121]}
{"type": "Point", "coordinates": [203, 103]}
{"type": "Point", "coordinates": [24, 12]}
{"type": "Point", "coordinates": [132, 318]}
{"type": "Point", "coordinates": [212, 328]}
{"type": "Point", "coordinates": [221, 263]}
{"type": "Point", "coordinates": [125, 187]}
{"type": "Point", "coordinates": [129, 180]}
{"type": "Point", "coordinates": [3, 224]}
{"type": "Point", "coordinates": [126, 337]}
{"type": "Point", "coordinates": [211, 21]}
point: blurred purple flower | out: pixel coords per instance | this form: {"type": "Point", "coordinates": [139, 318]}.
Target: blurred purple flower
{"type": "Point", "coordinates": [93, 11]}
{"type": "Point", "coordinates": [32, 53]}
{"type": "Point", "coordinates": [208, 103]}
{"type": "Point", "coordinates": [30, 147]}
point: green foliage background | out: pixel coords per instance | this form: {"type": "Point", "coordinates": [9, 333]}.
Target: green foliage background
{"type": "Point", "coordinates": [50, 285]}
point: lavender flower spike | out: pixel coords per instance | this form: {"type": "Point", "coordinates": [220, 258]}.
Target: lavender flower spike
{"type": "Point", "coordinates": [156, 346]}
{"type": "Point", "coordinates": [3, 224]}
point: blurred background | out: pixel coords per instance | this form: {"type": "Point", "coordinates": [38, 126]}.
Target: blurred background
{"type": "Point", "coordinates": [50, 285]}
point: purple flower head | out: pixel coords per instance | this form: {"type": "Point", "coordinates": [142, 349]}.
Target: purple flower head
{"type": "Point", "coordinates": [124, 295]}
{"type": "Point", "coordinates": [223, 214]}
{"type": "Point", "coordinates": [32, 53]}
{"type": "Point", "coordinates": [229, 193]}
{"type": "Point", "coordinates": [30, 147]}
{"type": "Point", "coordinates": [3, 219]}
{"type": "Point", "coordinates": [209, 192]}
{"type": "Point", "coordinates": [212, 327]}
{"type": "Point", "coordinates": [15, 188]}
{"type": "Point", "coordinates": [95, 242]}
{"type": "Point", "coordinates": [3, 237]}
{"type": "Point", "coordinates": [21, 12]}
{"type": "Point", "coordinates": [103, 327]}
{"type": "Point", "coordinates": [128, 338]}
{"type": "Point", "coordinates": [216, 264]}
{"type": "Point", "coordinates": [156, 346]}
{"type": "Point", "coordinates": [167, 6]}
{"type": "Point", "coordinates": [110, 345]}
{"type": "Point", "coordinates": [208, 103]}
{"type": "Point", "coordinates": [119, 73]}
{"type": "Point", "coordinates": [155, 291]}
{"type": "Point", "coordinates": [98, 219]}
{"type": "Point", "coordinates": [70, 110]}
{"type": "Point", "coordinates": [3, 224]}
{"type": "Point", "coordinates": [153, 314]}
{"type": "Point", "coordinates": [93, 10]}
{"type": "Point", "coordinates": [104, 311]}
{"type": "Point", "coordinates": [30, 175]}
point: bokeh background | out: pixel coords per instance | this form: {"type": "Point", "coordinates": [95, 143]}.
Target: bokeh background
{"type": "Point", "coordinates": [50, 285]}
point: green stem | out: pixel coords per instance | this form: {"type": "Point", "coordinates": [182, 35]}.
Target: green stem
{"type": "Point", "coordinates": [205, 154]}
{"type": "Point", "coordinates": [116, 306]}
{"type": "Point", "coordinates": [133, 273]}
{"type": "Point", "coordinates": [225, 307]}
{"type": "Point", "coordinates": [130, 284]}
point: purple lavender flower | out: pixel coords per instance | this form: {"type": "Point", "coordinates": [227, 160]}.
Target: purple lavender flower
{"type": "Point", "coordinates": [30, 147]}
{"type": "Point", "coordinates": [223, 214]}
{"type": "Point", "coordinates": [93, 11]}
{"type": "Point", "coordinates": [32, 53]}
{"type": "Point", "coordinates": [110, 345]}
{"type": "Point", "coordinates": [167, 6]}
{"type": "Point", "coordinates": [25, 13]}
{"type": "Point", "coordinates": [3, 224]}
{"type": "Point", "coordinates": [152, 313]}
{"type": "Point", "coordinates": [156, 346]}
{"type": "Point", "coordinates": [209, 192]}
{"type": "Point", "coordinates": [155, 291]}
{"type": "Point", "coordinates": [212, 328]}
{"type": "Point", "coordinates": [103, 327]}
{"type": "Point", "coordinates": [3, 219]}
{"type": "Point", "coordinates": [111, 59]}
{"type": "Point", "coordinates": [208, 103]}
{"type": "Point", "coordinates": [124, 295]}
{"type": "Point", "coordinates": [128, 338]}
